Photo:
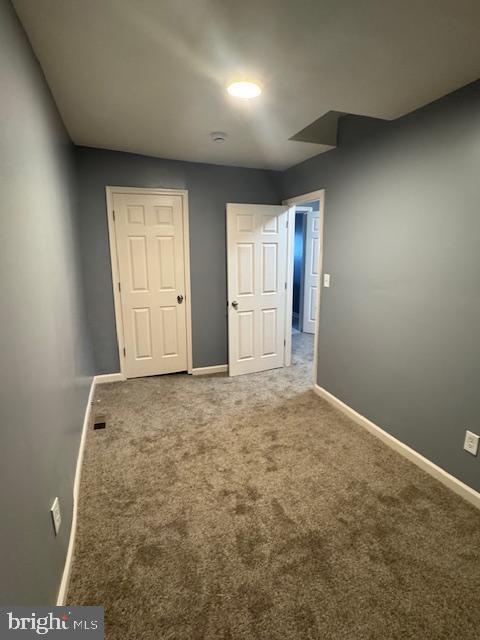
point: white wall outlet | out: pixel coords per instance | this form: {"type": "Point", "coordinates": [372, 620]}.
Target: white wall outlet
{"type": "Point", "coordinates": [326, 279]}
{"type": "Point", "coordinates": [56, 515]}
{"type": "Point", "coordinates": [471, 443]}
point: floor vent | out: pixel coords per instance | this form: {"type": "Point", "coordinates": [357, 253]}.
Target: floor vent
{"type": "Point", "coordinates": [100, 422]}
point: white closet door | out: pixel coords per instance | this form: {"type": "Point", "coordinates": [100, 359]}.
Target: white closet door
{"type": "Point", "coordinates": [256, 259]}
{"type": "Point", "coordinates": [149, 235]}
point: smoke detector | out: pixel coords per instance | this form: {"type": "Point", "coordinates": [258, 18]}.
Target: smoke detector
{"type": "Point", "coordinates": [218, 136]}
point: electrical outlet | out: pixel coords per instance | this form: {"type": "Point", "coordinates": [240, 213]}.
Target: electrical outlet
{"type": "Point", "coordinates": [471, 443]}
{"type": "Point", "coordinates": [326, 279]}
{"type": "Point", "coordinates": [56, 515]}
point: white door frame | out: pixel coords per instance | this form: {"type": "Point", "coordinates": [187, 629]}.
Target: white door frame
{"type": "Point", "coordinates": [110, 191]}
{"type": "Point", "coordinates": [291, 202]}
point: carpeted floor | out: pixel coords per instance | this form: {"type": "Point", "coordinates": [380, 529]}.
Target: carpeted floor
{"type": "Point", "coordinates": [247, 508]}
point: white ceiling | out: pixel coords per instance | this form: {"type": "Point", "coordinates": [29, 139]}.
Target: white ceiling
{"type": "Point", "coordinates": [149, 76]}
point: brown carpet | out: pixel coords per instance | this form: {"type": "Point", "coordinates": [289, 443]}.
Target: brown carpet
{"type": "Point", "coordinates": [247, 508]}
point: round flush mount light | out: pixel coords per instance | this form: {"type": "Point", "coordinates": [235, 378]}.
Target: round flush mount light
{"type": "Point", "coordinates": [218, 136]}
{"type": "Point", "coordinates": [244, 89]}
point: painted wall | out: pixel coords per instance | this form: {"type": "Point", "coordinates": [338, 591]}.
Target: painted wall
{"type": "Point", "coordinates": [400, 325]}
{"type": "Point", "coordinates": [210, 187]}
{"type": "Point", "coordinates": [45, 365]}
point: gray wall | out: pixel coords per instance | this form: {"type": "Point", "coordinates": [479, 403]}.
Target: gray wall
{"type": "Point", "coordinates": [210, 187]}
{"type": "Point", "coordinates": [400, 325]}
{"type": "Point", "coordinates": [45, 369]}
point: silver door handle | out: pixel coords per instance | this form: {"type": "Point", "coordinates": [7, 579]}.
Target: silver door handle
{"type": "Point", "coordinates": [235, 304]}
{"type": "Point", "coordinates": [180, 299]}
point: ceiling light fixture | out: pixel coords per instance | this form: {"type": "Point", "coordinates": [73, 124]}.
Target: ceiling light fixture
{"type": "Point", "coordinates": [244, 90]}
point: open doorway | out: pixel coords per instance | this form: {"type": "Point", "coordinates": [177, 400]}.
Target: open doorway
{"type": "Point", "coordinates": [305, 263]}
{"type": "Point", "coordinates": [305, 244]}
{"type": "Point", "coordinates": [260, 274]}
{"type": "Point", "coordinates": [298, 270]}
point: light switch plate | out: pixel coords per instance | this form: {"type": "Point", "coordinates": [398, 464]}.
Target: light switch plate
{"type": "Point", "coordinates": [471, 443]}
{"type": "Point", "coordinates": [326, 279]}
{"type": "Point", "coordinates": [56, 515]}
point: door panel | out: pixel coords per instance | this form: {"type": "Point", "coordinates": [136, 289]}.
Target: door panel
{"type": "Point", "coordinates": [312, 304]}
{"type": "Point", "coordinates": [169, 322]}
{"type": "Point", "coordinates": [269, 332]}
{"type": "Point", "coordinates": [143, 334]}
{"type": "Point", "coordinates": [245, 335]}
{"type": "Point", "coordinates": [269, 267]}
{"type": "Point", "coordinates": [138, 263]}
{"type": "Point", "coordinates": [310, 292]}
{"type": "Point", "coordinates": [149, 236]}
{"type": "Point", "coordinates": [256, 256]}
{"type": "Point", "coordinates": [167, 267]}
{"type": "Point", "coordinates": [245, 269]}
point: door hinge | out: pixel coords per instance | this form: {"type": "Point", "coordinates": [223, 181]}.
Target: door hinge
{"type": "Point", "coordinates": [113, 215]}
{"type": "Point", "coordinates": [285, 285]}
{"type": "Point", "coordinates": [119, 286]}
{"type": "Point", "coordinates": [284, 342]}
{"type": "Point", "coordinates": [124, 352]}
{"type": "Point", "coordinates": [287, 224]}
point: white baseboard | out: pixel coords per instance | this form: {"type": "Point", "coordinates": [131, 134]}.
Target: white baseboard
{"type": "Point", "coordinates": [62, 592]}
{"type": "Point", "coordinates": [437, 472]}
{"type": "Point", "coordinates": [109, 377]}
{"type": "Point", "coordinates": [203, 371]}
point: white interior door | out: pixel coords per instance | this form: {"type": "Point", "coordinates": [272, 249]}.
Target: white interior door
{"type": "Point", "coordinates": [257, 266]}
{"type": "Point", "coordinates": [310, 286]}
{"type": "Point", "coordinates": [150, 252]}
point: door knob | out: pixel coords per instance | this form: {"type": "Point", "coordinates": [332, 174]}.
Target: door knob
{"type": "Point", "coordinates": [180, 299]}
{"type": "Point", "coordinates": [235, 304]}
